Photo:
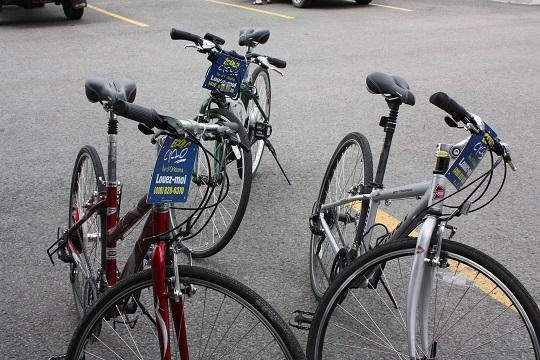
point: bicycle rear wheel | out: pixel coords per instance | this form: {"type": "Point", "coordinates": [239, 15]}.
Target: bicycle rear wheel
{"type": "Point", "coordinates": [260, 84]}
{"type": "Point", "coordinates": [224, 319]}
{"type": "Point", "coordinates": [86, 187]}
{"type": "Point", "coordinates": [477, 309]}
{"type": "Point", "coordinates": [214, 225]}
{"type": "Point", "coordinates": [349, 171]}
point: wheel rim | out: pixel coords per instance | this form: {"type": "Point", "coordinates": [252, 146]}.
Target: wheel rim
{"type": "Point", "coordinates": [262, 86]}
{"type": "Point", "coordinates": [88, 237]}
{"type": "Point", "coordinates": [475, 318]}
{"type": "Point", "coordinates": [212, 227]}
{"type": "Point", "coordinates": [219, 323]}
{"type": "Point", "coordinates": [348, 171]}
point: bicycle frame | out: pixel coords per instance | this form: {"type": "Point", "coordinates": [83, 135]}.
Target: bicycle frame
{"type": "Point", "coordinates": [158, 222]}
{"type": "Point", "coordinates": [160, 233]}
{"type": "Point", "coordinates": [409, 223]}
{"type": "Point", "coordinates": [116, 227]}
{"type": "Point", "coordinates": [427, 211]}
{"type": "Point", "coordinates": [162, 290]}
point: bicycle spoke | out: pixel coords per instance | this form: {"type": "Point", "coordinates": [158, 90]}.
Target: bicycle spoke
{"type": "Point", "coordinates": [474, 314]}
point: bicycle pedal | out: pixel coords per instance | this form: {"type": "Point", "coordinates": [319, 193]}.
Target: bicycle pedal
{"type": "Point", "coordinates": [261, 130]}
{"type": "Point", "coordinates": [301, 320]}
{"type": "Point", "coordinates": [58, 357]}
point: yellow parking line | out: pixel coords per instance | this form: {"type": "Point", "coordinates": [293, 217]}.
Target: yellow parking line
{"type": "Point", "coordinates": [117, 16]}
{"type": "Point", "coordinates": [252, 9]}
{"type": "Point", "coordinates": [481, 282]}
{"type": "Point", "coordinates": [391, 7]}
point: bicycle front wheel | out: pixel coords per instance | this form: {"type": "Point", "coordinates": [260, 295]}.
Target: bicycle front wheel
{"type": "Point", "coordinates": [223, 319]}
{"type": "Point", "coordinates": [260, 86]}
{"type": "Point", "coordinates": [217, 201]}
{"type": "Point", "coordinates": [477, 309]}
{"type": "Point", "coordinates": [349, 171]}
{"type": "Point", "coordinates": [86, 187]}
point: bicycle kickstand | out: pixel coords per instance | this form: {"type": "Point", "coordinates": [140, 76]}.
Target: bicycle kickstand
{"type": "Point", "coordinates": [273, 151]}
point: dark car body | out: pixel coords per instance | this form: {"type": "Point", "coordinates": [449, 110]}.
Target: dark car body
{"type": "Point", "coordinates": [73, 9]}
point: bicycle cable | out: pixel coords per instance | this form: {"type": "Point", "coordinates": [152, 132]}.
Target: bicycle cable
{"type": "Point", "coordinates": [480, 178]}
{"type": "Point", "coordinates": [203, 204]}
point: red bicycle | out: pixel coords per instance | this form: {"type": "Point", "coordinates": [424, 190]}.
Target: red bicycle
{"type": "Point", "coordinates": [176, 311]}
{"type": "Point", "coordinates": [219, 182]}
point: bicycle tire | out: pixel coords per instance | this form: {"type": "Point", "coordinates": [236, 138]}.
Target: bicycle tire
{"type": "Point", "coordinates": [260, 80]}
{"type": "Point", "coordinates": [219, 220]}
{"type": "Point", "coordinates": [86, 186]}
{"type": "Point", "coordinates": [351, 165]}
{"type": "Point", "coordinates": [239, 312]}
{"type": "Point", "coordinates": [482, 310]}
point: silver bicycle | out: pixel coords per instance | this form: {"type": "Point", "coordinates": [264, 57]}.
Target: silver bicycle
{"type": "Point", "coordinates": [396, 296]}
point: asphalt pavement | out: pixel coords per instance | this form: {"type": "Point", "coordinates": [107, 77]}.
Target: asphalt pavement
{"type": "Point", "coordinates": [484, 54]}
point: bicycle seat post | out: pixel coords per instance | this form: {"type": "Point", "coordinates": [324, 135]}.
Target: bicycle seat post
{"type": "Point", "coordinates": [112, 131]}
{"type": "Point", "coordinates": [112, 193]}
{"type": "Point", "coordinates": [389, 123]}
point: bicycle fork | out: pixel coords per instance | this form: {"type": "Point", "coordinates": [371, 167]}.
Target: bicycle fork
{"type": "Point", "coordinates": [166, 301]}
{"type": "Point", "coordinates": [423, 271]}
{"type": "Point", "coordinates": [419, 289]}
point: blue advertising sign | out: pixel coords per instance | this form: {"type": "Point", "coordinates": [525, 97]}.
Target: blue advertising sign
{"type": "Point", "coordinates": [172, 172]}
{"type": "Point", "coordinates": [226, 75]}
{"type": "Point", "coordinates": [469, 159]}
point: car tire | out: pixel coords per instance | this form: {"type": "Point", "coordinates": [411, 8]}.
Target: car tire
{"type": "Point", "coordinates": [302, 3]}
{"type": "Point", "coordinates": [70, 12]}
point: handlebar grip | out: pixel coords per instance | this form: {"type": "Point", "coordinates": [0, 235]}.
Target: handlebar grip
{"type": "Point", "coordinates": [184, 35]}
{"type": "Point", "coordinates": [138, 113]}
{"type": "Point", "coordinates": [446, 103]}
{"type": "Point", "coordinates": [277, 62]}
{"type": "Point", "coordinates": [236, 55]}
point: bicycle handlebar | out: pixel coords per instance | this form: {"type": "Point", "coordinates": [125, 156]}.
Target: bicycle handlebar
{"type": "Point", "coordinates": [446, 103]}
{"type": "Point", "coordinates": [184, 35]}
{"type": "Point", "coordinates": [277, 62]}
{"type": "Point", "coordinates": [473, 123]}
{"type": "Point", "coordinates": [217, 41]}
{"type": "Point", "coordinates": [272, 60]}
{"type": "Point", "coordinates": [151, 118]}
{"type": "Point", "coordinates": [147, 116]}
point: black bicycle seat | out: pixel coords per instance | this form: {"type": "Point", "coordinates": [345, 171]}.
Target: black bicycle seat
{"type": "Point", "coordinates": [252, 37]}
{"type": "Point", "coordinates": [390, 86]}
{"type": "Point", "coordinates": [100, 90]}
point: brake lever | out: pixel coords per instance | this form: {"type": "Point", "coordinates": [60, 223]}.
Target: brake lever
{"type": "Point", "coordinates": [193, 46]}
{"type": "Point", "coordinates": [235, 139]}
{"type": "Point", "coordinates": [507, 157]}
{"type": "Point", "coordinates": [503, 151]}
{"type": "Point", "coordinates": [155, 137]}
{"type": "Point", "coordinates": [172, 129]}
{"type": "Point", "coordinates": [263, 60]}
{"type": "Point", "coordinates": [276, 70]}
{"type": "Point", "coordinates": [226, 133]}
